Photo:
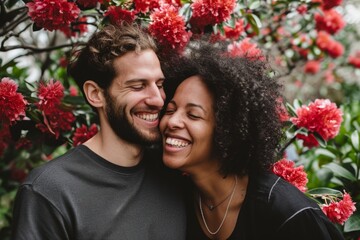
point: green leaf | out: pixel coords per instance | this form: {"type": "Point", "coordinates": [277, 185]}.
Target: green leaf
{"type": "Point", "coordinates": [291, 110]}
{"type": "Point", "coordinates": [353, 223]}
{"type": "Point", "coordinates": [325, 152]}
{"type": "Point", "coordinates": [255, 5]}
{"type": "Point", "coordinates": [185, 11]}
{"type": "Point", "coordinates": [297, 103]}
{"type": "Point", "coordinates": [320, 139]}
{"type": "Point", "coordinates": [324, 191]}
{"type": "Point", "coordinates": [355, 140]}
{"type": "Point", "coordinates": [340, 171]}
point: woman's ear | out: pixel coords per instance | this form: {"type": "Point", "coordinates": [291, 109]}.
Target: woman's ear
{"type": "Point", "coordinates": [94, 94]}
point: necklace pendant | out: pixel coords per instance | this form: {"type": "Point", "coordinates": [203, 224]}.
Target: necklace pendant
{"type": "Point", "coordinates": [211, 207]}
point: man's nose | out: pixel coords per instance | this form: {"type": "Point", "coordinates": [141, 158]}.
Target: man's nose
{"type": "Point", "coordinates": [155, 97]}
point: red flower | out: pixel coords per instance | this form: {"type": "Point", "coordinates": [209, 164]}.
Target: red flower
{"type": "Point", "coordinates": [295, 175]}
{"type": "Point", "coordinates": [23, 143]}
{"type": "Point", "coordinates": [339, 212]}
{"type": "Point", "coordinates": [335, 49]}
{"type": "Point", "coordinates": [283, 113]}
{"type": "Point", "coordinates": [73, 91]}
{"type": "Point", "coordinates": [87, 3]}
{"type": "Point", "coordinates": [5, 137]}
{"type": "Point", "coordinates": [56, 121]}
{"type": "Point", "coordinates": [210, 12]}
{"type": "Point", "coordinates": [50, 95]}
{"type": "Point", "coordinates": [309, 140]}
{"type": "Point", "coordinates": [168, 27]}
{"type": "Point", "coordinates": [302, 9]}
{"type": "Point", "coordinates": [146, 5]}
{"type": "Point", "coordinates": [355, 59]}
{"type": "Point", "coordinates": [12, 103]}
{"type": "Point", "coordinates": [327, 44]}
{"type": "Point", "coordinates": [312, 67]}
{"type": "Point", "coordinates": [245, 49]}
{"type": "Point", "coordinates": [77, 28]}
{"type": "Point", "coordinates": [234, 33]}
{"type": "Point", "coordinates": [118, 14]}
{"type": "Point", "coordinates": [51, 14]}
{"type": "Point", "coordinates": [82, 134]}
{"type": "Point", "coordinates": [327, 4]}
{"type": "Point", "coordinates": [330, 21]}
{"type": "Point", "coordinates": [321, 116]}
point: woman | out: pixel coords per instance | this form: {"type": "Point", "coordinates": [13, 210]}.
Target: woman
{"type": "Point", "coordinates": [221, 129]}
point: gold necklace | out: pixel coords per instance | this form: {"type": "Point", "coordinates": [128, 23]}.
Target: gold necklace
{"type": "Point", "coordinates": [225, 215]}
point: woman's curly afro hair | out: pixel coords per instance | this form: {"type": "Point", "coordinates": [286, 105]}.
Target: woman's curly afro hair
{"type": "Point", "coordinates": [246, 98]}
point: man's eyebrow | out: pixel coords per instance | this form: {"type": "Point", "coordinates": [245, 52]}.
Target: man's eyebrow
{"type": "Point", "coordinates": [140, 80]}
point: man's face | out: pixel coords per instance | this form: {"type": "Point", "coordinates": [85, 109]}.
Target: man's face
{"type": "Point", "coordinates": [135, 98]}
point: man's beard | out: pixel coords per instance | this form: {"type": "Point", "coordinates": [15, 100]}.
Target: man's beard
{"type": "Point", "coordinates": [123, 128]}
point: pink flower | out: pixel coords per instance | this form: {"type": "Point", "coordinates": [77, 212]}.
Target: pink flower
{"type": "Point", "coordinates": [295, 175]}
{"type": "Point", "coordinates": [321, 116]}
{"type": "Point", "coordinates": [245, 49]}
{"type": "Point", "coordinates": [82, 134]}
{"type": "Point", "coordinates": [308, 141]}
{"type": "Point", "coordinates": [51, 14]}
{"type": "Point", "coordinates": [50, 95]}
{"type": "Point", "coordinates": [73, 91]}
{"type": "Point", "coordinates": [283, 113]}
{"type": "Point", "coordinates": [327, 4]}
{"type": "Point", "coordinates": [355, 59]}
{"type": "Point", "coordinates": [12, 103]}
{"type": "Point", "coordinates": [117, 14]}
{"type": "Point", "coordinates": [335, 49]}
{"type": "Point", "coordinates": [168, 27]}
{"type": "Point", "coordinates": [210, 12]}
{"type": "Point", "coordinates": [312, 67]}
{"type": "Point", "coordinates": [330, 21]}
{"type": "Point", "coordinates": [339, 212]}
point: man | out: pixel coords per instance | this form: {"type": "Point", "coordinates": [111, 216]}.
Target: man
{"type": "Point", "coordinates": [109, 187]}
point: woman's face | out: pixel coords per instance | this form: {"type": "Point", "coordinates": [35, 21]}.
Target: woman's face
{"type": "Point", "coordinates": [188, 126]}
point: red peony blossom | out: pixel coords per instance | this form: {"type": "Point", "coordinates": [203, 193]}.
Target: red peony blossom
{"type": "Point", "coordinates": [210, 12]}
{"type": "Point", "coordinates": [330, 21]}
{"type": "Point", "coordinates": [56, 121]}
{"type": "Point", "coordinates": [117, 14]}
{"type": "Point", "coordinates": [339, 212]}
{"type": "Point", "coordinates": [246, 49]}
{"type": "Point", "coordinates": [145, 6]}
{"type": "Point", "coordinates": [79, 27]}
{"type": "Point", "coordinates": [328, 4]}
{"type": "Point", "coordinates": [335, 49]}
{"type": "Point", "coordinates": [12, 103]}
{"type": "Point", "coordinates": [308, 141]}
{"type": "Point", "coordinates": [51, 14]}
{"type": "Point", "coordinates": [321, 116]}
{"type": "Point", "coordinates": [329, 45]}
{"type": "Point", "coordinates": [355, 59]}
{"type": "Point", "coordinates": [82, 134]}
{"type": "Point", "coordinates": [168, 27]}
{"type": "Point", "coordinates": [234, 33]}
{"type": "Point", "coordinates": [50, 95]}
{"type": "Point", "coordinates": [87, 3]}
{"type": "Point", "coordinates": [312, 67]}
{"type": "Point", "coordinates": [295, 175]}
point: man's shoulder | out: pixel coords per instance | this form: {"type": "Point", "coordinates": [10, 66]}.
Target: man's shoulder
{"type": "Point", "coordinates": [48, 172]}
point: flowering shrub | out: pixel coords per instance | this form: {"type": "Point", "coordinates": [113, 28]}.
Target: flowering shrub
{"type": "Point", "coordinates": [306, 42]}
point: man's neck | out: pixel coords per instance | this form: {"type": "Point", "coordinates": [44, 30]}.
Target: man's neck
{"type": "Point", "coordinates": [115, 150]}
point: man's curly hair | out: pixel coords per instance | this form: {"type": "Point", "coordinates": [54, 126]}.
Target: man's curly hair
{"type": "Point", "coordinates": [248, 129]}
{"type": "Point", "coordinates": [95, 60]}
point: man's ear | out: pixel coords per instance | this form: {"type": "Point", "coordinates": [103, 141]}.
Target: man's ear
{"type": "Point", "coordinates": [94, 94]}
